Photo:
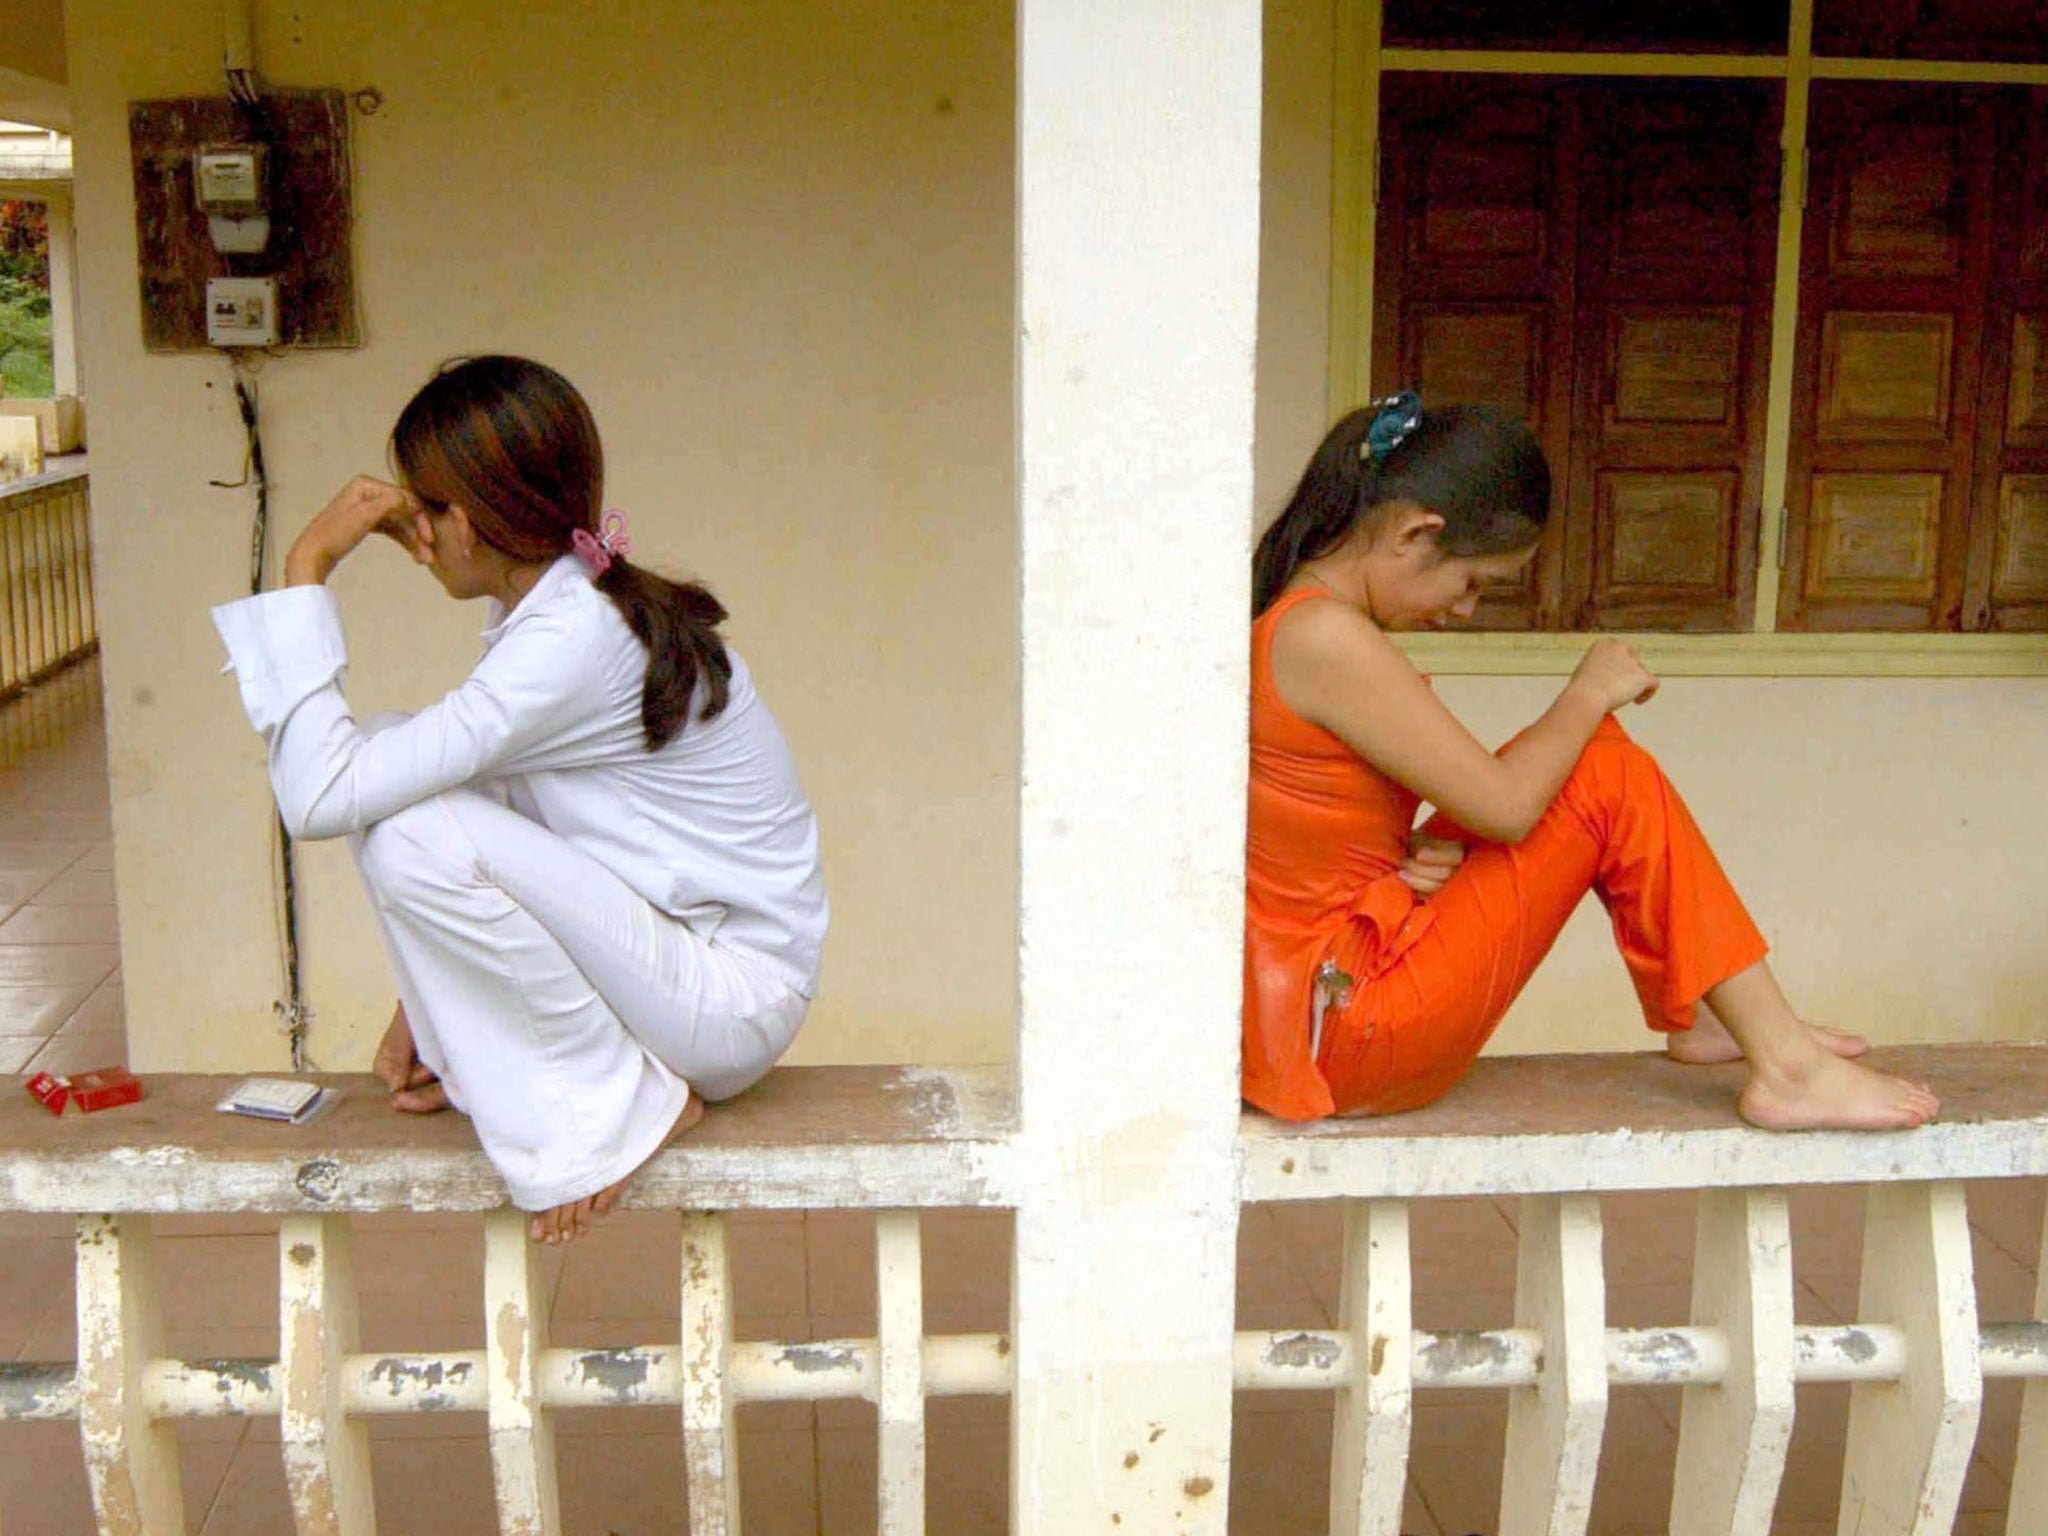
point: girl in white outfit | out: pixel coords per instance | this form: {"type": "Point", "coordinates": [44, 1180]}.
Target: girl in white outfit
{"type": "Point", "coordinates": [595, 869]}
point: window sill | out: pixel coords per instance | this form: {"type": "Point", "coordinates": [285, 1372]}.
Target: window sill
{"type": "Point", "coordinates": [1800, 655]}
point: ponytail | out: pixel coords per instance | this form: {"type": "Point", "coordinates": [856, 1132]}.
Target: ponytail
{"type": "Point", "coordinates": [1340, 481]}
{"type": "Point", "coordinates": [678, 623]}
{"type": "Point", "coordinates": [1480, 470]}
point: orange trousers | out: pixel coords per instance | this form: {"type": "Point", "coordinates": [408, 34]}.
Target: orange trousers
{"type": "Point", "coordinates": [1617, 828]}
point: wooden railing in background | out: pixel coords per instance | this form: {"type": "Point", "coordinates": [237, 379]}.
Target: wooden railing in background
{"type": "Point", "coordinates": [47, 617]}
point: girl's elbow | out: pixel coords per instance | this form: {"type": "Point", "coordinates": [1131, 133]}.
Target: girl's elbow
{"type": "Point", "coordinates": [1507, 824]}
{"type": "Point", "coordinates": [309, 822]}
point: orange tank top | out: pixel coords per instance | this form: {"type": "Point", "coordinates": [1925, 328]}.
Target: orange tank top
{"type": "Point", "coordinates": [1326, 833]}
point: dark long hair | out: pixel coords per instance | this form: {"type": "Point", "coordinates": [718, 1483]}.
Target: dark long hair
{"type": "Point", "coordinates": [513, 444]}
{"type": "Point", "coordinates": [1482, 471]}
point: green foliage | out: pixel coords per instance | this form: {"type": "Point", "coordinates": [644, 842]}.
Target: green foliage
{"type": "Point", "coordinates": [24, 300]}
{"type": "Point", "coordinates": [25, 243]}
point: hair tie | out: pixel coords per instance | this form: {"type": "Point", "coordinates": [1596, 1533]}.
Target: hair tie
{"type": "Point", "coordinates": [597, 550]}
{"type": "Point", "coordinates": [1399, 416]}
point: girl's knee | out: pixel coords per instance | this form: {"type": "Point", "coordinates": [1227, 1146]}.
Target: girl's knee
{"type": "Point", "coordinates": [1612, 767]}
{"type": "Point", "coordinates": [417, 850]}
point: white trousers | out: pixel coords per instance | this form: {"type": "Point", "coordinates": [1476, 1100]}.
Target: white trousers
{"type": "Point", "coordinates": [565, 1014]}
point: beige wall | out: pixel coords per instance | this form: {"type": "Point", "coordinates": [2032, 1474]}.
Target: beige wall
{"type": "Point", "coordinates": [774, 243]}
{"type": "Point", "coordinates": [32, 38]}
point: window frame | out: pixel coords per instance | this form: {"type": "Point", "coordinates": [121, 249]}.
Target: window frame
{"type": "Point", "coordinates": [1361, 63]}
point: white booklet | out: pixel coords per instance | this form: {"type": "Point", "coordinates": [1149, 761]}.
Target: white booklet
{"type": "Point", "coordinates": [275, 1098]}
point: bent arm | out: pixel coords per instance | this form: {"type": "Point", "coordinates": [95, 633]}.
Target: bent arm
{"type": "Point", "coordinates": [533, 694]}
{"type": "Point", "coordinates": [1335, 668]}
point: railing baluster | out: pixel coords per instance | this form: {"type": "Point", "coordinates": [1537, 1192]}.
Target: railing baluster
{"type": "Point", "coordinates": [326, 1454]}
{"type": "Point", "coordinates": [710, 1425]}
{"type": "Point", "coordinates": [1554, 1427]}
{"type": "Point", "coordinates": [82, 510]}
{"type": "Point", "coordinates": [899, 1284]}
{"type": "Point", "coordinates": [67, 531]}
{"type": "Point", "coordinates": [522, 1429]}
{"type": "Point", "coordinates": [1909, 1441]}
{"type": "Point", "coordinates": [2028, 1511]}
{"type": "Point", "coordinates": [11, 668]}
{"type": "Point", "coordinates": [45, 650]}
{"type": "Point", "coordinates": [1369, 1475]}
{"type": "Point", "coordinates": [131, 1464]}
{"type": "Point", "coordinates": [1732, 1438]}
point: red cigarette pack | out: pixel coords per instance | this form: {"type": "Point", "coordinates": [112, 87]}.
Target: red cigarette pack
{"type": "Point", "coordinates": [106, 1088]}
{"type": "Point", "coordinates": [53, 1093]}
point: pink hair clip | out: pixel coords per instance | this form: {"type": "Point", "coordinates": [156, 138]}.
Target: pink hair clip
{"type": "Point", "coordinates": [597, 550]}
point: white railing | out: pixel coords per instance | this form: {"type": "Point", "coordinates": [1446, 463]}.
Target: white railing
{"type": "Point", "coordinates": [47, 618]}
{"type": "Point", "coordinates": [892, 1141]}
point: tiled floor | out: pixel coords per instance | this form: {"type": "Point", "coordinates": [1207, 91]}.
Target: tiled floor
{"type": "Point", "coordinates": [811, 1470]}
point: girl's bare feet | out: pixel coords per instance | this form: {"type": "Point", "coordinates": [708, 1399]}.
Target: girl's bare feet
{"type": "Point", "coordinates": [1825, 1092]}
{"type": "Point", "coordinates": [564, 1222]}
{"type": "Point", "coordinates": [1708, 1043]}
{"type": "Point", "coordinates": [414, 1087]}
{"type": "Point", "coordinates": [1799, 1077]}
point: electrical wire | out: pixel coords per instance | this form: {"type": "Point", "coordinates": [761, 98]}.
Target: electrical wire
{"type": "Point", "coordinates": [297, 1016]}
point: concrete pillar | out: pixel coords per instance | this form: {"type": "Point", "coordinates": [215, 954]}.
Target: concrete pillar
{"type": "Point", "coordinates": [64, 376]}
{"type": "Point", "coordinates": [1138, 139]}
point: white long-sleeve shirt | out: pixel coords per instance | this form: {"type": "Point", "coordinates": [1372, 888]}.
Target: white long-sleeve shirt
{"type": "Point", "coordinates": [712, 828]}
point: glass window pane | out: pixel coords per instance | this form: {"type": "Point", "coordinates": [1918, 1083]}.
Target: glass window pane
{"type": "Point", "coordinates": [1688, 26]}
{"type": "Point", "coordinates": [2001, 31]}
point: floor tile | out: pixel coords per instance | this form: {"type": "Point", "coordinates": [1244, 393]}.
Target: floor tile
{"type": "Point", "coordinates": [628, 1265]}
{"type": "Point", "coordinates": [37, 1280]}
{"type": "Point", "coordinates": [77, 887]}
{"type": "Point", "coordinates": [1280, 1475]}
{"type": "Point", "coordinates": [104, 1011]}
{"type": "Point", "coordinates": [2009, 1212]}
{"type": "Point", "coordinates": [57, 965]}
{"type": "Point", "coordinates": [1459, 1446]}
{"type": "Point", "coordinates": [1647, 1239]}
{"type": "Point", "coordinates": [839, 1250]}
{"type": "Point", "coordinates": [1272, 1292]}
{"type": "Point", "coordinates": [967, 1470]}
{"type": "Point", "coordinates": [1827, 1229]}
{"type": "Point", "coordinates": [435, 1487]}
{"type": "Point", "coordinates": [967, 1256]}
{"type": "Point", "coordinates": [42, 1481]}
{"type": "Point", "coordinates": [67, 1053]}
{"type": "Point", "coordinates": [27, 868]}
{"type": "Point", "coordinates": [16, 1051]}
{"type": "Point", "coordinates": [779, 1484]}
{"type": "Point", "coordinates": [40, 924]}
{"type": "Point", "coordinates": [40, 1008]}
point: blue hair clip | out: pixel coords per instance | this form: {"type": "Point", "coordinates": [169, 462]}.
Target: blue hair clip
{"type": "Point", "coordinates": [1398, 417]}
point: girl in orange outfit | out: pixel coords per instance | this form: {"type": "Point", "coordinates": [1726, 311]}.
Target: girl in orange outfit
{"type": "Point", "coordinates": [1379, 958]}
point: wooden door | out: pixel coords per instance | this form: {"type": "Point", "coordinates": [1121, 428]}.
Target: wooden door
{"type": "Point", "coordinates": [1676, 256]}
{"type": "Point", "coordinates": [1596, 258]}
{"type": "Point", "coordinates": [1476, 266]}
{"type": "Point", "coordinates": [1888, 369]}
{"type": "Point", "coordinates": [2006, 586]}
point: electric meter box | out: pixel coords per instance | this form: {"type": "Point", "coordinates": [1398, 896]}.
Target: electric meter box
{"type": "Point", "coordinates": [229, 178]}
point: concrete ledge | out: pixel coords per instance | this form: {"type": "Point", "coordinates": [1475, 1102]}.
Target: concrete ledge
{"type": "Point", "coordinates": [875, 1137]}
{"type": "Point", "coordinates": [806, 1137]}
{"type": "Point", "coordinates": [1588, 1123]}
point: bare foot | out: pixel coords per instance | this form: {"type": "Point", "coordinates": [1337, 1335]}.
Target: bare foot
{"type": "Point", "coordinates": [414, 1087]}
{"type": "Point", "coordinates": [1825, 1092]}
{"type": "Point", "coordinates": [1708, 1043]}
{"type": "Point", "coordinates": [564, 1222]}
